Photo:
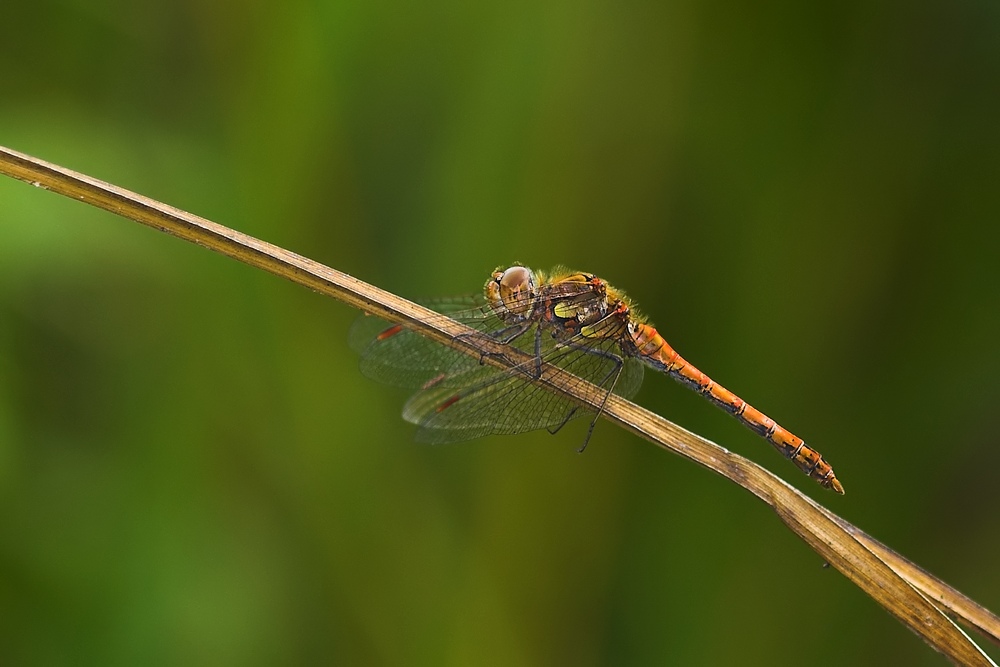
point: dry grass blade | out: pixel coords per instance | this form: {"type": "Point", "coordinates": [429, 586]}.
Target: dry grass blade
{"type": "Point", "coordinates": [907, 592]}
{"type": "Point", "coordinates": [954, 602]}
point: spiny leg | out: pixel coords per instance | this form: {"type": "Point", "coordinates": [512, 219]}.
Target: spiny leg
{"type": "Point", "coordinates": [617, 372]}
{"type": "Point", "coordinates": [503, 336]}
{"type": "Point", "coordinates": [613, 374]}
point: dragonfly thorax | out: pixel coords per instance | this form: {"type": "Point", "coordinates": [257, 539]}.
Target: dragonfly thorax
{"type": "Point", "coordinates": [579, 311]}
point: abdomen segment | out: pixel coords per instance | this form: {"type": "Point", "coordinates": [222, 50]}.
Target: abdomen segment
{"type": "Point", "coordinates": [655, 351]}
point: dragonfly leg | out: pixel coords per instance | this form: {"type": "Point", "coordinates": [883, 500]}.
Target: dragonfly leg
{"type": "Point", "coordinates": [569, 415]}
{"type": "Point", "coordinates": [507, 334]}
{"type": "Point", "coordinates": [538, 352]}
{"type": "Point", "coordinates": [612, 375]}
{"type": "Point", "coordinates": [616, 373]}
{"type": "Point", "coordinates": [504, 336]}
{"type": "Point", "coordinates": [536, 371]}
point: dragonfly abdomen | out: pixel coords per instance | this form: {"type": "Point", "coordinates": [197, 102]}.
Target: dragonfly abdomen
{"type": "Point", "coordinates": [656, 352]}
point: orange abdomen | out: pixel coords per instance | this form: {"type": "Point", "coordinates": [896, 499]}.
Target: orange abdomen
{"type": "Point", "coordinates": [654, 350]}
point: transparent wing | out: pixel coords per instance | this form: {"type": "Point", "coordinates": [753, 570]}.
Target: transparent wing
{"type": "Point", "coordinates": [392, 354]}
{"type": "Point", "coordinates": [491, 403]}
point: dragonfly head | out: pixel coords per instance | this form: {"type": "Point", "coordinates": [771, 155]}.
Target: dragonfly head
{"type": "Point", "coordinates": [511, 292]}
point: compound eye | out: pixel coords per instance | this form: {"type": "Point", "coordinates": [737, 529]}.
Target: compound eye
{"type": "Point", "coordinates": [517, 288]}
{"type": "Point", "coordinates": [517, 278]}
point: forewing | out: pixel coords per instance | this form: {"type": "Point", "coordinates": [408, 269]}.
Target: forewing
{"type": "Point", "coordinates": [395, 355]}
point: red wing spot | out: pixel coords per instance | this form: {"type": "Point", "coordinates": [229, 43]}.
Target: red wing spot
{"type": "Point", "coordinates": [447, 404]}
{"type": "Point", "coordinates": [391, 331]}
{"type": "Point", "coordinates": [433, 381]}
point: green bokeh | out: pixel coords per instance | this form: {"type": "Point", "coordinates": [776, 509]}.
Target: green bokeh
{"type": "Point", "coordinates": [803, 197]}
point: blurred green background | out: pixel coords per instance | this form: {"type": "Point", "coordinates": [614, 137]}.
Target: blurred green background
{"type": "Point", "coordinates": [803, 197]}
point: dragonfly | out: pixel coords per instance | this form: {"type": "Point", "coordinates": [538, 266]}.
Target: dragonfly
{"type": "Point", "coordinates": [573, 320]}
